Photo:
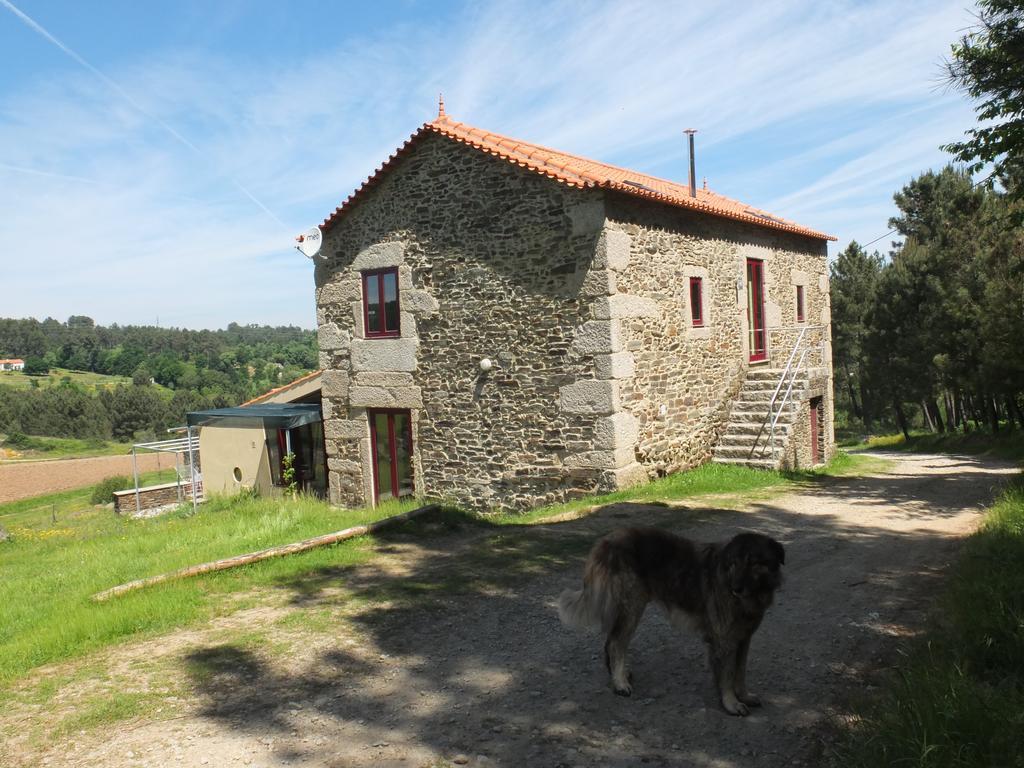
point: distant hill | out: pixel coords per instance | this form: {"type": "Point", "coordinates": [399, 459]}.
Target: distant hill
{"type": "Point", "coordinates": [86, 379]}
{"type": "Point", "coordinates": [127, 381]}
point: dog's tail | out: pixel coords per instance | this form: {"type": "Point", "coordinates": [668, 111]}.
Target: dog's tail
{"type": "Point", "coordinates": [575, 609]}
{"type": "Point", "coordinates": [592, 606]}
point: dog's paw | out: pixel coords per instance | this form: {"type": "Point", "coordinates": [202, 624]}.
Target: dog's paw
{"type": "Point", "coordinates": [735, 707]}
{"type": "Point", "coordinates": [749, 699]}
{"type": "Point", "coordinates": [622, 690]}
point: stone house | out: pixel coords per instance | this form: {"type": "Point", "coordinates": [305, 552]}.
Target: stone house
{"type": "Point", "coordinates": [505, 325]}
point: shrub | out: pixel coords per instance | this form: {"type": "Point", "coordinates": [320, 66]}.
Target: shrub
{"type": "Point", "coordinates": [103, 493]}
{"type": "Point", "coordinates": [18, 440]}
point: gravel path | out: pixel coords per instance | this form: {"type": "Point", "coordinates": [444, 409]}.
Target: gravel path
{"type": "Point", "coordinates": [489, 676]}
{"type": "Point", "coordinates": [21, 480]}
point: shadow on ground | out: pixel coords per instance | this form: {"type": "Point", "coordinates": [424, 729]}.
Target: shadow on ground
{"type": "Point", "coordinates": [462, 653]}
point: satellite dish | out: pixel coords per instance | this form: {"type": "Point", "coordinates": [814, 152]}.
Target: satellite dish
{"type": "Point", "coordinates": [309, 242]}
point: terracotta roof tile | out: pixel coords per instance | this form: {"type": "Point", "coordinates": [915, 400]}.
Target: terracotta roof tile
{"type": "Point", "coordinates": [580, 172]}
{"type": "Point", "coordinates": [283, 388]}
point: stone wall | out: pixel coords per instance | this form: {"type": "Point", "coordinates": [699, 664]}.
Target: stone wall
{"type": "Point", "coordinates": [798, 450]}
{"type": "Point", "coordinates": [580, 300]}
{"type": "Point", "coordinates": [686, 378]}
{"type": "Point", "coordinates": [151, 496]}
{"type": "Point", "coordinates": [491, 262]}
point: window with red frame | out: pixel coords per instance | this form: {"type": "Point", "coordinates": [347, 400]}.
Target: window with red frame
{"type": "Point", "coordinates": [799, 303]}
{"type": "Point", "coordinates": [380, 303]}
{"type": "Point", "coordinates": [697, 301]}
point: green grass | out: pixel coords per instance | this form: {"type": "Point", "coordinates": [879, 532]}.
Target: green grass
{"type": "Point", "coordinates": [706, 479]}
{"type": "Point", "coordinates": [1005, 445]}
{"type": "Point", "coordinates": [50, 570]}
{"type": "Point", "coordinates": [105, 709]}
{"type": "Point", "coordinates": [34, 447]}
{"type": "Point", "coordinates": [42, 512]}
{"type": "Point", "coordinates": [958, 700]}
{"type": "Point", "coordinates": [93, 381]}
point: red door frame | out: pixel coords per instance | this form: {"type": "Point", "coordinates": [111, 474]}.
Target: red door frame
{"type": "Point", "coordinates": [815, 403]}
{"type": "Point", "coordinates": [757, 334]}
{"type": "Point", "coordinates": [392, 447]}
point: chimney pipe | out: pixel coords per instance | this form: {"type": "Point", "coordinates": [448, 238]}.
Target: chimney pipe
{"type": "Point", "coordinates": [693, 168]}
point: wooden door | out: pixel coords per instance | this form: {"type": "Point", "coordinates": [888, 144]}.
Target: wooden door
{"type": "Point", "coordinates": [815, 435]}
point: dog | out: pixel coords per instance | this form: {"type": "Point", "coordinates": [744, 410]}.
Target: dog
{"type": "Point", "coordinates": [720, 590]}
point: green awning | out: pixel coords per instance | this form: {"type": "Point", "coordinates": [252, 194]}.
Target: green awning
{"type": "Point", "coordinates": [273, 415]}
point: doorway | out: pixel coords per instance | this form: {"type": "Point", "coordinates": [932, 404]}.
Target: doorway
{"type": "Point", "coordinates": [391, 435]}
{"type": "Point", "coordinates": [755, 311]}
{"type": "Point", "coordinates": [817, 408]}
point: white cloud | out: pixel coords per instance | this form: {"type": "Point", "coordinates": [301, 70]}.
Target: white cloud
{"type": "Point", "coordinates": [136, 224]}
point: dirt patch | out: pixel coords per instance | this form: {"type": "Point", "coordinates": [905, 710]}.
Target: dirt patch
{"type": "Point", "coordinates": [25, 479]}
{"type": "Point", "coordinates": [446, 648]}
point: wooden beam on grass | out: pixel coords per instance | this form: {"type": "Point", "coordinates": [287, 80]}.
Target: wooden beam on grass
{"type": "Point", "coordinates": [263, 554]}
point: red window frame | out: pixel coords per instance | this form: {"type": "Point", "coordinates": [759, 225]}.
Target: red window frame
{"type": "Point", "coordinates": [697, 302]}
{"type": "Point", "coordinates": [800, 304]}
{"type": "Point", "coordinates": [383, 331]}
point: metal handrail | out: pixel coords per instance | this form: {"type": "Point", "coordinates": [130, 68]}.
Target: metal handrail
{"type": "Point", "coordinates": [774, 407]}
{"type": "Point", "coordinates": [789, 364]}
{"type": "Point", "coordinates": [785, 399]}
{"type": "Point", "coordinates": [789, 373]}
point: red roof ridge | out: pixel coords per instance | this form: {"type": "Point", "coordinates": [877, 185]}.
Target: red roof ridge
{"type": "Point", "coordinates": [283, 387]}
{"type": "Point", "coordinates": [582, 172]}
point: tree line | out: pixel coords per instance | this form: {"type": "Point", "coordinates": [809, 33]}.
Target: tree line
{"type": "Point", "coordinates": [937, 327]}
{"type": "Point", "coordinates": [197, 370]}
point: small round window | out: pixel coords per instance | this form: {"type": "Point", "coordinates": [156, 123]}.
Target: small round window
{"type": "Point", "coordinates": [238, 474]}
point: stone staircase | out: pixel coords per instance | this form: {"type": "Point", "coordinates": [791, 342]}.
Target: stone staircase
{"type": "Point", "coordinates": [746, 436]}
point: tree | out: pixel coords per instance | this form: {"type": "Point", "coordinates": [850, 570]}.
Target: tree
{"type": "Point", "coordinates": [36, 366]}
{"type": "Point", "coordinates": [854, 280]}
{"type": "Point", "coordinates": [141, 377]}
{"type": "Point", "coordinates": [988, 64]}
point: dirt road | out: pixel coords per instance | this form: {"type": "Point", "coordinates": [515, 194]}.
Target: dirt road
{"type": "Point", "coordinates": [482, 673]}
{"type": "Point", "coordinates": [20, 480]}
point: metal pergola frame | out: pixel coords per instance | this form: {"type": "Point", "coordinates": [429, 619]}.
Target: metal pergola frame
{"type": "Point", "coordinates": [179, 446]}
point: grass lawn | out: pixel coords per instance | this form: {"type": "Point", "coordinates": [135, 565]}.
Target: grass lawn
{"type": "Point", "coordinates": [1005, 445]}
{"type": "Point", "coordinates": [958, 700]}
{"type": "Point", "coordinates": [33, 447]}
{"type": "Point", "coordinates": [89, 380]}
{"type": "Point", "coordinates": [50, 570]}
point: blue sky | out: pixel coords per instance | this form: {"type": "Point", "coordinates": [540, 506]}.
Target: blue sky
{"type": "Point", "coordinates": [157, 159]}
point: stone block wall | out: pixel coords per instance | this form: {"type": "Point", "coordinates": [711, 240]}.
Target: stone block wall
{"type": "Point", "coordinates": [686, 378]}
{"type": "Point", "coordinates": [580, 300]}
{"type": "Point", "coordinates": [798, 451]}
{"type": "Point", "coordinates": [491, 262]}
{"type": "Point", "coordinates": [152, 496]}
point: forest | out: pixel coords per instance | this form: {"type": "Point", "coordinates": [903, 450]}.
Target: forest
{"type": "Point", "coordinates": [172, 371]}
{"type": "Point", "coordinates": [930, 335]}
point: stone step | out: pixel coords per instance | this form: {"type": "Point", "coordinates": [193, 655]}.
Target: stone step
{"type": "Point", "coordinates": [749, 438]}
{"type": "Point", "coordinates": [770, 386]}
{"type": "Point", "coordinates": [754, 428]}
{"type": "Point", "coordinates": [746, 451]}
{"type": "Point", "coordinates": [752, 463]}
{"type": "Point", "coordinates": [759, 450]}
{"type": "Point", "coordinates": [764, 374]}
{"type": "Point", "coordinates": [745, 414]}
{"type": "Point", "coordinates": [765, 395]}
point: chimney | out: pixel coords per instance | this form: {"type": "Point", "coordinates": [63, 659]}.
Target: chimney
{"type": "Point", "coordinates": [693, 168]}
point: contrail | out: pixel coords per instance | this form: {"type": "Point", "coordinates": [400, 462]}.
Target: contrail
{"type": "Point", "coordinates": [35, 26]}
{"type": "Point", "coordinates": [47, 174]}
